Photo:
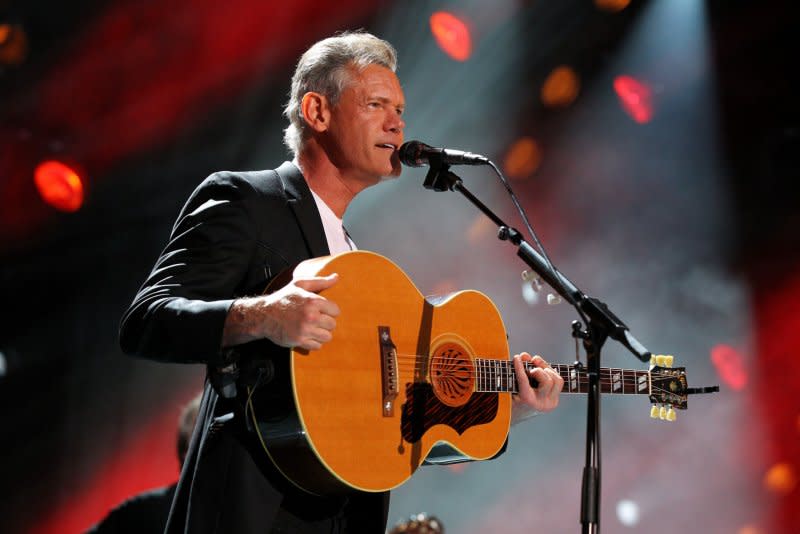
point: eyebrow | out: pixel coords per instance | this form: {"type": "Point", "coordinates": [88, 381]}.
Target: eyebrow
{"type": "Point", "coordinates": [385, 100]}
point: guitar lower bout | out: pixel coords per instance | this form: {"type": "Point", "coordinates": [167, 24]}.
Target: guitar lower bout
{"type": "Point", "coordinates": [398, 377]}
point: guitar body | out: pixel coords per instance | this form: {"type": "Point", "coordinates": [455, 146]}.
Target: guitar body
{"type": "Point", "coordinates": [397, 378]}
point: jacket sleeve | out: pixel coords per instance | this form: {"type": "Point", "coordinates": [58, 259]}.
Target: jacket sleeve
{"type": "Point", "coordinates": [179, 312]}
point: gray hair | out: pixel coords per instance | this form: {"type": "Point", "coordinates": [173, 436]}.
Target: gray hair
{"type": "Point", "coordinates": [324, 68]}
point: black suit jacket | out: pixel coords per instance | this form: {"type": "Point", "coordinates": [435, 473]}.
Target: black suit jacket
{"type": "Point", "coordinates": [236, 232]}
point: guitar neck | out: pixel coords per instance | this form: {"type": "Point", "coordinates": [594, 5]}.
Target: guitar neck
{"type": "Point", "coordinates": [498, 375]}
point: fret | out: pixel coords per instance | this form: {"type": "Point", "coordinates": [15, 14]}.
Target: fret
{"type": "Point", "coordinates": [500, 376]}
{"type": "Point", "coordinates": [642, 383]}
{"type": "Point", "coordinates": [616, 381]}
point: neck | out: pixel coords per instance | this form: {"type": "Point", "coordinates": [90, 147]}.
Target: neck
{"type": "Point", "coordinates": [334, 186]}
{"type": "Point", "coordinates": [498, 375]}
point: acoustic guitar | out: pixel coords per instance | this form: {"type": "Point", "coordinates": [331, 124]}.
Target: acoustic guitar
{"type": "Point", "coordinates": [402, 376]}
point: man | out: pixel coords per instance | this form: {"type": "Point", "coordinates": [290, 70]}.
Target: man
{"type": "Point", "coordinates": [239, 230]}
{"type": "Point", "coordinates": [146, 513]}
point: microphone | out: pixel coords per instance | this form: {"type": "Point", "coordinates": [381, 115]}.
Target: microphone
{"type": "Point", "coordinates": [417, 154]}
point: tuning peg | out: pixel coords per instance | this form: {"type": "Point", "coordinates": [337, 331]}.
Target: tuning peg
{"type": "Point", "coordinates": [654, 412]}
{"type": "Point", "coordinates": [660, 360]}
{"type": "Point", "coordinates": [668, 359]}
{"type": "Point", "coordinates": [662, 413]}
{"type": "Point", "coordinates": [671, 415]}
{"type": "Point", "coordinates": [533, 278]}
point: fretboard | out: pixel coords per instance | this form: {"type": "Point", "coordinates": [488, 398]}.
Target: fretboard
{"type": "Point", "coordinates": [498, 375]}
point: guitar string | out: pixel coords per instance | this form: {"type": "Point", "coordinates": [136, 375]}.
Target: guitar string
{"type": "Point", "coordinates": [581, 380]}
{"type": "Point", "coordinates": [625, 374]}
{"type": "Point", "coordinates": [422, 358]}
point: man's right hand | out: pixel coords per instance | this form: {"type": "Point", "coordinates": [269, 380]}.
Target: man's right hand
{"type": "Point", "coordinates": [294, 316]}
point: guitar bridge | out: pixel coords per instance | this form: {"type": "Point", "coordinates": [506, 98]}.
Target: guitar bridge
{"type": "Point", "coordinates": [389, 382]}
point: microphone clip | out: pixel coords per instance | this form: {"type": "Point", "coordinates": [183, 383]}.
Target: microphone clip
{"type": "Point", "coordinates": [439, 177]}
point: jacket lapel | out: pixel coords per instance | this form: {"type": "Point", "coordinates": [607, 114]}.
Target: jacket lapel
{"type": "Point", "coordinates": [305, 210]}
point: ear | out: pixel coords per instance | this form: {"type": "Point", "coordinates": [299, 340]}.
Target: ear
{"type": "Point", "coordinates": [316, 111]}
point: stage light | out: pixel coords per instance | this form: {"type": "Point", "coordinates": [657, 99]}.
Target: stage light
{"type": "Point", "coordinates": [13, 44]}
{"type": "Point", "coordinates": [523, 158]}
{"type": "Point", "coordinates": [780, 478]}
{"type": "Point", "coordinates": [5, 31]}
{"type": "Point", "coordinates": [452, 35]}
{"type": "Point", "coordinates": [59, 185]}
{"type": "Point", "coordinates": [730, 366]}
{"type": "Point", "coordinates": [612, 5]}
{"type": "Point", "coordinates": [635, 98]}
{"type": "Point", "coordinates": [628, 513]}
{"type": "Point", "coordinates": [561, 87]}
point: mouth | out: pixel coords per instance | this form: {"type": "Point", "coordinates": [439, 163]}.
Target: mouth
{"type": "Point", "coordinates": [389, 146]}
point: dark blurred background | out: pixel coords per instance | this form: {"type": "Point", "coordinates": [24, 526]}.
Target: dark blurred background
{"type": "Point", "coordinates": [653, 143]}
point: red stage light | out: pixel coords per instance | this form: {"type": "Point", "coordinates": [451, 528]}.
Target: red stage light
{"type": "Point", "coordinates": [635, 98]}
{"type": "Point", "coordinates": [452, 35]}
{"type": "Point", "coordinates": [730, 366]}
{"type": "Point", "coordinates": [59, 185]}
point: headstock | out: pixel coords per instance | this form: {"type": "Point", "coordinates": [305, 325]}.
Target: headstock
{"type": "Point", "coordinates": [668, 389]}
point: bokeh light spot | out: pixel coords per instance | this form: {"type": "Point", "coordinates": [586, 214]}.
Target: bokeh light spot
{"type": "Point", "coordinates": [481, 229]}
{"type": "Point", "coordinates": [730, 366]}
{"type": "Point", "coordinates": [13, 44]}
{"type": "Point", "coordinates": [635, 97]}
{"type": "Point", "coordinates": [59, 185]}
{"type": "Point", "coordinates": [780, 478]}
{"type": "Point", "coordinates": [561, 87]}
{"type": "Point", "coordinates": [523, 158]}
{"type": "Point", "coordinates": [452, 35]}
{"type": "Point", "coordinates": [612, 5]}
{"type": "Point", "coordinates": [5, 31]}
{"type": "Point", "coordinates": [628, 512]}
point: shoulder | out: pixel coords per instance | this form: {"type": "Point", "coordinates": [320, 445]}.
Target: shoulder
{"type": "Point", "coordinates": [242, 183]}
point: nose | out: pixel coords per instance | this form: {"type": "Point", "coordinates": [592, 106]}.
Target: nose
{"type": "Point", "coordinates": [396, 124]}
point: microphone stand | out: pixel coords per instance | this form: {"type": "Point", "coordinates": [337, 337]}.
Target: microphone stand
{"type": "Point", "coordinates": [601, 324]}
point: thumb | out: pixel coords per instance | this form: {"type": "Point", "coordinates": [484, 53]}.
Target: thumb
{"type": "Point", "coordinates": [317, 283]}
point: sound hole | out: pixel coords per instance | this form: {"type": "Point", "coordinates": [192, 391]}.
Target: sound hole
{"type": "Point", "coordinates": [451, 374]}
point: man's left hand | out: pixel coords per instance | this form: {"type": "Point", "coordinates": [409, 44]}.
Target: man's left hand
{"type": "Point", "coordinates": [544, 397]}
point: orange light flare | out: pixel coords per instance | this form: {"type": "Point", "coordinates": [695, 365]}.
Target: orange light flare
{"type": "Point", "coordinates": [59, 185]}
{"type": "Point", "coordinates": [452, 34]}
{"type": "Point", "coordinates": [635, 97]}
{"type": "Point", "coordinates": [780, 478]}
{"type": "Point", "coordinates": [13, 44]}
{"type": "Point", "coordinates": [481, 229]}
{"type": "Point", "coordinates": [612, 5]}
{"type": "Point", "coordinates": [561, 87]}
{"type": "Point", "coordinates": [5, 31]}
{"type": "Point", "coordinates": [522, 158]}
{"type": "Point", "coordinates": [730, 366]}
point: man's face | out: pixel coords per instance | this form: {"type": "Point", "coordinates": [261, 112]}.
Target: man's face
{"type": "Point", "coordinates": [366, 128]}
